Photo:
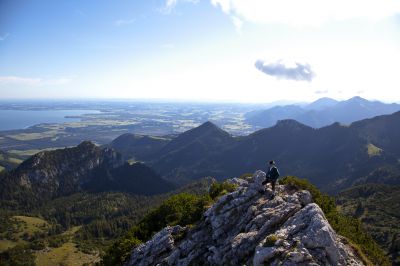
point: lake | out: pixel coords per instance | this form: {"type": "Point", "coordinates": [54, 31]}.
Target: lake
{"type": "Point", "coordinates": [20, 119]}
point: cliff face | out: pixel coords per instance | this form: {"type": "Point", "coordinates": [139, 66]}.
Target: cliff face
{"type": "Point", "coordinates": [61, 172]}
{"type": "Point", "coordinates": [247, 227]}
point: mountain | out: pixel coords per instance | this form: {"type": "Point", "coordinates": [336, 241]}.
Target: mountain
{"type": "Point", "coordinates": [134, 178]}
{"type": "Point", "coordinates": [377, 206]}
{"type": "Point", "coordinates": [137, 147]}
{"type": "Point", "coordinates": [247, 227]}
{"type": "Point", "coordinates": [321, 104]}
{"type": "Point", "coordinates": [333, 157]}
{"type": "Point", "coordinates": [189, 154]}
{"type": "Point", "coordinates": [269, 117]}
{"type": "Point", "coordinates": [322, 112]}
{"type": "Point", "coordinates": [86, 167]}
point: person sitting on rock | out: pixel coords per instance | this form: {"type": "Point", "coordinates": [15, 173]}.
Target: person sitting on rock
{"type": "Point", "coordinates": [272, 175]}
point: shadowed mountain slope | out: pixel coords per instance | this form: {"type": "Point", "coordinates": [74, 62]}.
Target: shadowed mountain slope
{"type": "Point", "coordinates": [86, 167]}
{"type": "Point", "coordinates": [191, 153]}
{"type": "Point", "coordinates": [333, 157]}
{"type": "Point", "coordinates": [138, 147]}
{"type": "Point", "coordinates": [376, 206]}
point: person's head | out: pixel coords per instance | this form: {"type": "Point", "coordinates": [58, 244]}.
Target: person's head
{"type": "Point", "coordinates": [271, 162]}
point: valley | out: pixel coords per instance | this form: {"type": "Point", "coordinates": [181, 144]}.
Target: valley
{"type": "Point", "coordinates": [151, 133]}
{"type": "Point", "coordinates": [69, 205]}
{"type": "Point", "coordinates": [111, 119]}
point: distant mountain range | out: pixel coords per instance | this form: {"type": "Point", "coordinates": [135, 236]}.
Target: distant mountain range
{"type": "Point", "coordinates": [322, 112]}
{"type": "Point", "coordinates": [333, 157]}
{"type": "Point", "coordinates": [68, 183]}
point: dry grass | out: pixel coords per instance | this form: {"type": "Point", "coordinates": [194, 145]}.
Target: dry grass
{"type": "Point", "coordinates": [373, 150]}
{"type": "Point", "coordinates": [33, 136]}
{"type": "Point", "coordinates": [67, 254]}
{"type": "Point", "coordinates": [31, 225]}
{"type": "Point", "coordinates": [6, 244]}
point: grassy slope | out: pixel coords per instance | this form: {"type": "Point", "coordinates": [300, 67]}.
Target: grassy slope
{"type": "Point", "coordinates": [22, 225]}
{"type": "Point", "coordinates": [87, 213]}
{"type": "Point", "coordinates": [67, 254]}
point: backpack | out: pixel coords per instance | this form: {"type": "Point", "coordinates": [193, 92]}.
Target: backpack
{"type": "Point", "coordinates": [274, 173]}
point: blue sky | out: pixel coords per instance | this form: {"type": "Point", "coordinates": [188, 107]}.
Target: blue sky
{"type": "Point", "coordinates": [202, 50]}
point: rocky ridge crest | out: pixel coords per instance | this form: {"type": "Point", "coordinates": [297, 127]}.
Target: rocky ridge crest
{"type": "Point", "coordinates": [247, 227]}
{"type": "Point", "coordinates": [63, 171]}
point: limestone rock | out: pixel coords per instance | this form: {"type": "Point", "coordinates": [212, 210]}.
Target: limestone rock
{"type": "Point", "coordinates": [246, 227]}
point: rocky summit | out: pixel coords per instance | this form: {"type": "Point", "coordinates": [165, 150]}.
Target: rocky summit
{"type": "Point", "coordinates": [249, 227]}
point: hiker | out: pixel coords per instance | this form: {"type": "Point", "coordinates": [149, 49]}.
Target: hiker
{"type": "Point", "coordinates": [272, 175]}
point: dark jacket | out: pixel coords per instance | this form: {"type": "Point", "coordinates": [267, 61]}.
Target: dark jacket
{"type": "Point", "coordinates": [272, 174]}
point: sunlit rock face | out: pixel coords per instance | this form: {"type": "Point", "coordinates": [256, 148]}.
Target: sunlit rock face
{"type": "Point", "coordinates": [248, 227]}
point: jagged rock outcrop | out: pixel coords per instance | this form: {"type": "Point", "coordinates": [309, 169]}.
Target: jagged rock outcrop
{"type": "Point", "coordinates": [247, 227]}
{"type": "Point", "coordinates": [84, 168]}
{"type": "Point", "coordinates": [59, 172]}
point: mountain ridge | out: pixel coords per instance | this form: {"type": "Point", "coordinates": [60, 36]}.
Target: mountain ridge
{"type": "Point", "coordinates": [244, 227]}
{"type": "Point", "coordinates": [333, 157]}
{"type": "Point", "coordinates": [86, 167]}
{"type": "Point", "coordinates": [322, 112]}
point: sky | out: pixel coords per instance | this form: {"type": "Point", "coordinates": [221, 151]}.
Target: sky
{"type": "Point", "coordinates": [200, 50]}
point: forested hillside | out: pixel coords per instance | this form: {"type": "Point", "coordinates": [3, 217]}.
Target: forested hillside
{"type": "Point", "coordinates": [377, 207]}
{"type": "Point", "coordinates": [334, 157]}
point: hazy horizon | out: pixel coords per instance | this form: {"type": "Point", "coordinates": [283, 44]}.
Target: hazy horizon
{"type": "Point", "coordinates": [205, 51]}
{"type": "Point", "coordinates": [182, 101]}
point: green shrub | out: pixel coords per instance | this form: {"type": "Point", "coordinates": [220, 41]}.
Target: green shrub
{"type": "Point", "coordinates": [120, 251]}
{"type": "Point", "coordinates": [181, 209]}
{"type": "Point", "coordinates": [246, 176]}
{"type": "Point", "coordinates": [270, 241]}
{"type": "Point", "coordinates": [218, 189]}
{"type": "Point", "coordinates": [38, 244]}
{"type": "Point", "coordinates": [18, 255]}
{"type": "Point", "coordinates": [346, 226]}
{"type": "Point", "coordinates": [57, 241]}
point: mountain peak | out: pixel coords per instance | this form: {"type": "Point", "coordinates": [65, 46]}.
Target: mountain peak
{"type": "Point", "coordinates": [325, 100]}
{"type": "Point", "coordinates": [322, 103]}
{"type": "Point", "coordinates": [357, 99]}
{"type": "Point", "coordinates": [86, 144]}
{"type": "Point", "coordinates": [290, 124]}
{"type": "Point", "coordinates": [208, 124]}
{"type": "Point", "coordinates": [247, 227]}
{"type": "Point", "coordinates": [207, 128]}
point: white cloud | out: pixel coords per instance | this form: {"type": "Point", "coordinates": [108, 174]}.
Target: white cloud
{"type": "Point", "coordinates": [20, 80]}
{"type": "Point", "coordinates": [171, 4]}
{"type": "Point", "coordinates": [238, 23]}
{"type": "Point", "coordinates": [307, 12]}
{"type": "Point", "coordinates": [14, 80]}
{"type": "Point", "coordinates": [4, 37]}
{"type": "Point", "coordinates": [283, 70]}
{"type": "Point", "coordinates": [123, 22]}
